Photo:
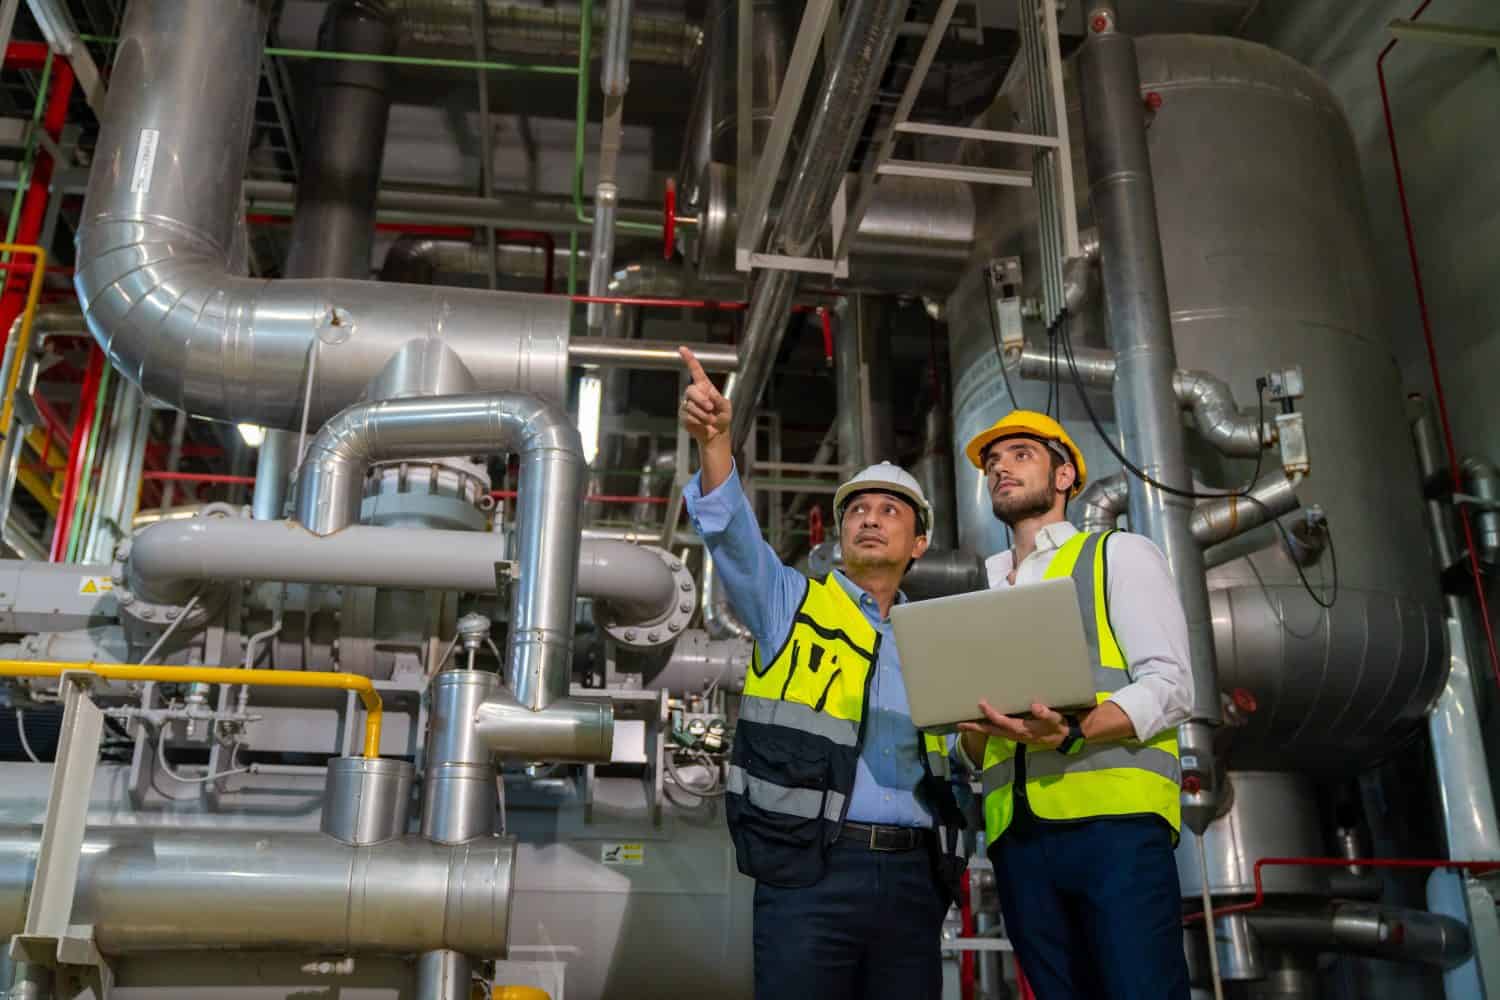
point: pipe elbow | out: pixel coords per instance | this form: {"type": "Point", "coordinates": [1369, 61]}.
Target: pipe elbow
{"type": "Point", "coordinates": [1217, 418]}
{"type": "Point", "coordinates": [569, 730]}
{"type": "Point", "coordinates": [1104, 500]}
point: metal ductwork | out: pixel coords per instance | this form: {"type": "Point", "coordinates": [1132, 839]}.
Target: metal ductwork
{"type": "Point", "coordinates": [159, 221]}
{"type": "Point", "coordinates": [939, 573]}
{"type": "Point", "coordinates": [145, 890]}
{"type": "Point", "coordinates": [535, 31]}
{"type": "Point", "coordinates": [1215, 519]}
{"type": "Point", "coordinates": [868, 32]}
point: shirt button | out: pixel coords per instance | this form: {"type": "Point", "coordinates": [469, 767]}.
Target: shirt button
{"type": "Point", "coordinates": [888, 797]}
{"type": "Point", "coordinates": [887, 751]}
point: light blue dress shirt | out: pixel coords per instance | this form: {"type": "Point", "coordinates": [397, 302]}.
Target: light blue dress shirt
{"type": "Point", "coordinates": [766, 593]}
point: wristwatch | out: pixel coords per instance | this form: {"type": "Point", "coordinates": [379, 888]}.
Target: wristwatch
{"type": "Point", "coordinates": [1073, 742]}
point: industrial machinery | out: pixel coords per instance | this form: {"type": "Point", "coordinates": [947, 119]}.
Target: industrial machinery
{"type": "Point", "coordinates": [417, 711]}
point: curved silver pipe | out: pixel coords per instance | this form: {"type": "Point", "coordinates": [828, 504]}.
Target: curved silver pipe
{"type": "Point", "coordinates": [330, 486]}
{"type": "Point", "coordinates": [1103, 501]}
{"type": "Point", "coordinates": [152, 890]}
{"type": "Point", "coordinates": [937, 574]}
{"type": "Point", "coordinates": [1482, 480]}
{"type": "Point", "coordinates": [1390, 932]}
{"type": "Point", "coordinates": [1223, 518]}
{"type": "Point", "coordinates": [1217, 417]}
{"type": "Point", "coordinates": [868, 32]}
{"type": "Point", "coordinates": [159, 221]}
{"type": "Point", "coordinates": [1215, 413]}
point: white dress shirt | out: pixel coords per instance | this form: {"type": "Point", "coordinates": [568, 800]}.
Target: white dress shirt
{"type": "Point", "coordinates": [1146, 617]}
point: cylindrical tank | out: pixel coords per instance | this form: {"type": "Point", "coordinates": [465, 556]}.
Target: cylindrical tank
{"type": "Point", "coordinates": [1269, 265]}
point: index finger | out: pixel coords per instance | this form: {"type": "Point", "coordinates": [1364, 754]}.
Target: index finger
{"type": "Point", "coordinates": [694, 367]}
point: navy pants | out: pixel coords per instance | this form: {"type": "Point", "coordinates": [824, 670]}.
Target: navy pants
{"type": "Point", "coordinates": [1093, 908]}
{"type": "Point", "coordinates": [869, 930]}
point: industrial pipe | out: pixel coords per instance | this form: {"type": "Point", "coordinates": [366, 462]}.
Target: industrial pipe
{"type": "Point", "coordinates": [868, 32]}
{"type": "Point", "coordinates": [1123, 202]}
{"type": "Point", "coordinates": [648, 355]}
{"type": "Point", "coordinates": [1214, 520]}
{"type": "Point", "coordinates": [159, 221]}
{"type": "Point", "coordinates": [719, 619]}
{"type": "Point", "coordinates": [358, 683]}
{"type": "Point", "coordinates": [570, 730]}
{"type": "Point", "coordinates": [1209, 398]}
{"type": "Point", "coordinates": [158, 890]}
{"type": "Point", "coordinates": [166, 561]}
{"type": "Point", "coordinates": [937, 574]}
{"type": "Point", "coordinates": [1482, 482]}
{"type": "Point", "coordinates": [1394, 933]}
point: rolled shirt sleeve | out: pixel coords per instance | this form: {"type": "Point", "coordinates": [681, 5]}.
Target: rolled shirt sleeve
{"type": "Point", "coordinates": [1148, 622]}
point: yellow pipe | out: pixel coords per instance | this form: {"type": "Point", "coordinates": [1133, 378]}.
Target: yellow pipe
{"type": "Point", "coordinates": [33, 296]}
{"type": "Point", "coordinates": [218, 675]}
{"type": "Point", "coordinates": [38, 442]}
{"type": "Point", "coordinates": [39, 488]}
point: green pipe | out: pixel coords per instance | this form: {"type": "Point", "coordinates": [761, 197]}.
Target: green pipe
{"type": "Point", "coordinates": [29, 160]}
{"type": "Point", "coordinates": [84, 498]}
{"type": "Point", "coordinates": [369, 57]}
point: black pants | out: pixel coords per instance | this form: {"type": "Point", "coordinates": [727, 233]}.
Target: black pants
{"type": "Point", "coordinates": [869, 930]}
{"type": "Point", "coordinates": [1093, 908]}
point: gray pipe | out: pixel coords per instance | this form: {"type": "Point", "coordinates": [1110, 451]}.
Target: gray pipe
{"type": "Point", "coordinates": [1123, 202]}
{"type": "Point", "coordinates": [1482, 480]}
{"type": "Point", "coordinates": [649, 355]}
{"type": "Point", "coordinates": [936, 574]}
{"type": "Point", "coordinates": [159, 219]}
{"type": "Point", "coordinates": [868, 32]}
{"type": "Point", "coordinates": [1390, 932]}
{"type": "Point", "coordinates": [333, 225]}
{"type": "Point", "coordinates": [1215, 413]}
{"type": "Point", "coordinates": [155, 890]}
{"type": "Point", "coordinates": [273, 472]}
{"type": "Point", "coordinates": [1103, 501]}
{"type": "Point", "coordinates": [166, 561]}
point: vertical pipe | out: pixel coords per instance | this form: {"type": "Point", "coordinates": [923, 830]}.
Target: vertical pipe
{"type": "Point", "coordinates": [273, 470]}
{"type": "Point", "coordinates": [174, 458]}
{"type": "Point", "coordinates": [614, 80]}
{"type": "Point", "coordinates": [1123, 201]}
{"type": "Point", "coordinates": [332, 227]}
{"type": "Point", "coordinates": [81, 427]}
{"type": "Point", "coordinates": [849, 388]}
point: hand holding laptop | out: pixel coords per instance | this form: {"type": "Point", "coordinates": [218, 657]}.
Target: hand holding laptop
{"type": "Point", "coordinates": [1045, 729]}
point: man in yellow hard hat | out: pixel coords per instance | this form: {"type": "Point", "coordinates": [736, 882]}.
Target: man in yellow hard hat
{"type": "Point", "coordinates": [1081, 812]}
{"type": "Point", "coordinates": [838, 807]}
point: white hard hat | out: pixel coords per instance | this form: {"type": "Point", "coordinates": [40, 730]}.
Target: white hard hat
{"type": "Point", "coordinates": [886, 477]}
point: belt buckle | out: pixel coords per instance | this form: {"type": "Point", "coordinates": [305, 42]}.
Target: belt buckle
{"type": "Point", "coordinates": [875, 837]}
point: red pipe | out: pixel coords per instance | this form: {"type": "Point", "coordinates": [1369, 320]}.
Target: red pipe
{"type": "Point", "coordinates": [591, 498]}
{"type": "Point", "coordinates": [77, 453]}
{"type": "Point", "coordinates": [34, 205]}
{"type": "Point", "coordinates": [26, 55]}
{"type": "Point", "coordinates": [827, 319]}
{"type": "Point", "coordinates": [1023, 987]}
{"type": "Point", "coordinates": [200, 477]}
{"type": "Point", "coordinates": [966, 915]}
{"type": "Point", "coordinates": [1432, 361]}
{"type": "Point", "coordinates": [1477, 867]}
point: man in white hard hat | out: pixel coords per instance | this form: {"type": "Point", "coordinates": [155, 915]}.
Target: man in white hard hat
{"type": "Point", "coordinates": [835, 800]}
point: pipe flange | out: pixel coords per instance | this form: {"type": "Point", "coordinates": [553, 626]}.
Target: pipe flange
{"type": "Point", "coordinates": [665, 630]}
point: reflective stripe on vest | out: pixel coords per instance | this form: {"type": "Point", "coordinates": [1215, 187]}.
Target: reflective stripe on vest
{"type": "Point", "coordinates": [1108, 779]}
{"type": "Point", "coordinates": [796, 715]}
{"type": "Point", "coordinates": [805, 803]}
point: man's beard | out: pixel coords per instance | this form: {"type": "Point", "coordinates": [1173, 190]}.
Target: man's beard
{"type": "Point", "coordinates": [1016, 507]}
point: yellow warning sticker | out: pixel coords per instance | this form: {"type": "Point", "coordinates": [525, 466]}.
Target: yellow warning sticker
{"type": "Point", "coordinates": [95, 585]}
{"type": "Point", "coordinates": [622, 854]}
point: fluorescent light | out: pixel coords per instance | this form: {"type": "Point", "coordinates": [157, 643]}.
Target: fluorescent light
{"type": "Point", "coordinates": [590, 394]}
{"type": "Point", "coordinates": [252, 434]}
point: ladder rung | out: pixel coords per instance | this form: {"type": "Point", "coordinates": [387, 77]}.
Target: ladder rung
{"type": "Point", "coordinates": [954, 172]}
{"type": "Point", "coordinates": [981, 134]}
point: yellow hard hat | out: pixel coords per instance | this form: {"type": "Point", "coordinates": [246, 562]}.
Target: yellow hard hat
{"type": "Point", "coordinates": [1028, 423]}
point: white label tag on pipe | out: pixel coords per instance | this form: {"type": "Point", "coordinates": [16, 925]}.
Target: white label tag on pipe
{"type": "Point", "coordinates": [145, 160]}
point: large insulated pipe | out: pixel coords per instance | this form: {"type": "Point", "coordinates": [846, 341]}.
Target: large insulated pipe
{"type": "Point", "coordinates": [159, 221]}
{"type": "Point", "coordinates": [168, 560]}
{"type": "Point", "coordinates": [1389, 932]}
{"type": "Point", "coordinates": [154, 890]}
{"type": "Point", "coordinates": [333, 225]}
{"type": "Point", "coordinates": [274, 461]}
{"type": "Point", "coordinates": [330, 486]}
{"type": "Point", "coordinates": [1216, 519]}
{"type": "Point", "coordinates": [868, 32]}
{"type": "Point", "coordinates": [1123, 202]}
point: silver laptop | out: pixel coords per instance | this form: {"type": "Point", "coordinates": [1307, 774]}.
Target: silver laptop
{"type": "Point", "coordinates": [1010, 647]}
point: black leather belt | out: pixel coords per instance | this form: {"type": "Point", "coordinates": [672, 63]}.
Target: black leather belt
{"type": "Point", "coordinates": [884, 838]}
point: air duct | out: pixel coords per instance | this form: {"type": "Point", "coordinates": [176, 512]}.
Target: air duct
{"type": "Point", "coordinates": [159, 221]}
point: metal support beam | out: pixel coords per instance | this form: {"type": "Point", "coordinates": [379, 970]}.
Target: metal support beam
{"type": "Point", "coordinates": [1446, 34]}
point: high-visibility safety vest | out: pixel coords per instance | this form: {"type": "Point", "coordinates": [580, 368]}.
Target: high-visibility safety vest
{"type": "Point", "coordinates": [1124, 778]}
{"type": "Point", "coordinates": [797, 743]}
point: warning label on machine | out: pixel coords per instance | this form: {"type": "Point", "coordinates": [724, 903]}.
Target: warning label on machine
{"type": "Point", "coordinates": [622, 854]}
{"type": "Point", "coordinates": [95, 585]}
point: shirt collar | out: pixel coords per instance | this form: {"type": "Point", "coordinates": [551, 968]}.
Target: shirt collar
{"type": "Point", "coordinates": [862, 597]}
{"type": "Point", "coordinates": [1054, 536]}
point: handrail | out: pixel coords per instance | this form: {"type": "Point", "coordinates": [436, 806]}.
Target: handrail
{"type": "Point", "coordinates": [362, 685]}
{"type": "Point", "coordinates": [33, 296]}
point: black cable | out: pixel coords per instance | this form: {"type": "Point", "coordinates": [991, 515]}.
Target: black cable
{"type": "Point", "coordinates": [1063, 324]}
{"type": "Point", "coordinates": [1052, 384]}
{"type": "Point", "coordinates": [1000, 353]}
